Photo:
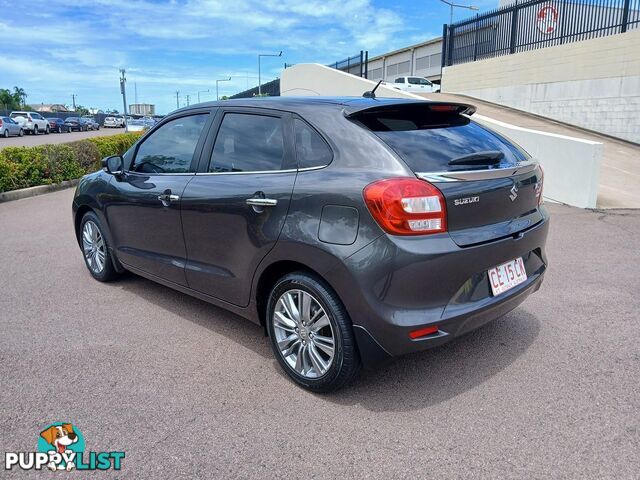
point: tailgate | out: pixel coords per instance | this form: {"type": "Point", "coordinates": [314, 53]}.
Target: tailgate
{"type": "Point", "coordinates": [490, 185]}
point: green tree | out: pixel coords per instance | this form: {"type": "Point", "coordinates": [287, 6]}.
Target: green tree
{"type": "Point", "coordinates": [19, 96]}
{"type": "Point", "coordinates": [80, 110]}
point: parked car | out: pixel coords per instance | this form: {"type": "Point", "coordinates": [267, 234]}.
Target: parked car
{"type": "Point", "coordinates": [76, 124]}
{"type": "Point", "coordinates": [138, 125]}
{"type": "Point", "coordinates": [352, 229]}
{"type": "Point", "coordinates": [31, 122]}
{"type": "Point", "coordinates": [415, 85]}
{"type": "Point", "coordinates": [113, 122]}
{"type": "Point", "coordinates": [91, 122]}
{"type": "Point", "coordinates": [8, 128]}
{"type": "Point", "coordinates": [58, 125]}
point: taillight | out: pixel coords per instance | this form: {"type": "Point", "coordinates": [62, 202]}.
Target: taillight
{"type": "Point", "coordinates": [406, 206]}
{"type": "Point", "coordinates": [540, 186]}
{"type": "Point", "coordinates": [0, 122]}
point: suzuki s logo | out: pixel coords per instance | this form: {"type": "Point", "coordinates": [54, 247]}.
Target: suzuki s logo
{"type": "Point", "coordinates": [514, 193]}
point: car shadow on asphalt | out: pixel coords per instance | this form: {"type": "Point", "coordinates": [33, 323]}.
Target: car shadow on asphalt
{"type": "Point", "coordinates": [237, 329]}
{"type": "Point", "coordinates": [407, 383]}
{"type": "Point", "coordinates": [433, 376]}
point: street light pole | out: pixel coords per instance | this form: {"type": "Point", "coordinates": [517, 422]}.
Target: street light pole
{"type": "Point", "coordinates": [259, 73]}
{"type": "Point", "coordinates": [73, 97]}
{"type": "Point", "coordinates": [202, 91]}
{"type": "Point", "coordinates": [177, 99]}
{"type": "Point", "coordinates": [123, 81]}
{"type": "Point", "coordinates": [452, 5]}
{"type": "Point", "coordinates": [217, 82]}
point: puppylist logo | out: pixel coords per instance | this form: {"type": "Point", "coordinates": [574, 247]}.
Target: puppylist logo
{"type": "Point", "coordinates": [61, 446]}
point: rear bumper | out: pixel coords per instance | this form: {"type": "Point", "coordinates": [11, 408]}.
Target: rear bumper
{"type": "Point", "coordinates": [397, 285]}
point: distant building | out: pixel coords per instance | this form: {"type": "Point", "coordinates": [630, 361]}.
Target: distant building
{"type": "Point", "coordinates": [49, 107]}
{"type": "Point", "coordinates": [142, 109]}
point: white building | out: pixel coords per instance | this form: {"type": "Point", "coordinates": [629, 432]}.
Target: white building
{"type": "Point", "coordinates": [146, 109]}
{"type": "Point", "coordinates": [420, 60]}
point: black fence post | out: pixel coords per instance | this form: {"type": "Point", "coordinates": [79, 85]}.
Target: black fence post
{"type": "Point", "coordinates": [475, 40]}
{"type": "Point", "coordinates": [625, 16]}
{"type": "Point", "coordinates": [563, 22]}
{"type": "Point", "coordinates": [366, 64]}
{"type": "Point", "coordinates": [451, 42]}
{"type": "Point", "coordinates": [514, 27]}
{"type": "Point", "coordinates": [443, 60]}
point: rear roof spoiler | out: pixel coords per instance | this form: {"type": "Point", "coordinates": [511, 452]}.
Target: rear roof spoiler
{"type": "Point", "coordinates": [352, 111]}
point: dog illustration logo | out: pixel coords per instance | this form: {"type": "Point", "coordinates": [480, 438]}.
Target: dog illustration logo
{"type": "Point", "coordinates": [63, 440]}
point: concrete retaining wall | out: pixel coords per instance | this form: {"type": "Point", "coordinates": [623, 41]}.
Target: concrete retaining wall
{"type": "Point", "coordinates": [593, 84]}
{"type": "Point", "coordinates": [572, 165]}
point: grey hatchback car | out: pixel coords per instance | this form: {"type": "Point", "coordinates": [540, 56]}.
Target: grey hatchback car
{"type": "Point", "coordinates": [353, 229]}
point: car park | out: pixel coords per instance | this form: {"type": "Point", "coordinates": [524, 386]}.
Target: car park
{"type": "Point", "coordinates": [76, 124]}
{"type": "Point", "coordinates": [113, 122]}
{"type": "Point", "coordinates": [9, 128]}
{"type": "Point", "coordinates": [415, 85]}
{"type": "Point", "coordinates": [353, 230]}
{"type": "Point", "coordinates": [31, 122]}
{"type": "Point", "coordinates": [91, 122]}
{"type": "Point", "coordinates": [138, 125]}
{"type": "Point", "coordinates": [58, 125]}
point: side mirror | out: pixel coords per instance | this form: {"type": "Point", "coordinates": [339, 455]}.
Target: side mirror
{"type": "Point", "coordinates": [114, 165]}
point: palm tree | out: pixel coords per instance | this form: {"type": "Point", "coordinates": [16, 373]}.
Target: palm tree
{"type": "Point", "coordinates": [20, 95]}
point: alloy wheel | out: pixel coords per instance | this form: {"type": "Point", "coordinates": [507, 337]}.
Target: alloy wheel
{"type": "Point", "coordinates": [304, 333]}
{"type": "Point", "coordinates": [93, 247]}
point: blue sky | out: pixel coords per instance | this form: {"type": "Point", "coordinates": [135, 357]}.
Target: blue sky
{"type": "Point", "coordinates": [55, 48]}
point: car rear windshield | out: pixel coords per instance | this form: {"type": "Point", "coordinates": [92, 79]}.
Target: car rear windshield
{"type": "Point", "coordinates": [427, 141]}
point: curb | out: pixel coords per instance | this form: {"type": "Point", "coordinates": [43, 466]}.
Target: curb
{"type": "Point", "coordinates": [34, 191]}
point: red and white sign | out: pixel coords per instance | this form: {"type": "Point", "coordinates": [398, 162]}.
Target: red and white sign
{"type": "Point", "coordinates": [547, 19]}
{"type": "Point", "coordinates": [506, 276]}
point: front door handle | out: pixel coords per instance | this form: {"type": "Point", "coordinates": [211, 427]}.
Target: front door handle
{"type": "Point", "coordinates": [167, 198]}
{"type": "Point", "coordinates": [262, 202]}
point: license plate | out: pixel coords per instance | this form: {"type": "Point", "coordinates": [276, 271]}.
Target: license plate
{"type": "Point", "coordinates": [506, 276]}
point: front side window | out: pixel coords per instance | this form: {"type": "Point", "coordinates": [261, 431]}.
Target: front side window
{"type": "Point", "coordinates": [171, 147]}
{"type": "Point", "coordinates": [248, 143]}
{"type": "Point", "coordinates": [311, 149]}
{"type": "Point", "coordinates": [419, 81]}
{"type": "Point", "coordinates": [400, 80]}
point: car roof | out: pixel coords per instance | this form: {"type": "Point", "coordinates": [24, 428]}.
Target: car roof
{"type": "Point", "coordinates": [302, 104]}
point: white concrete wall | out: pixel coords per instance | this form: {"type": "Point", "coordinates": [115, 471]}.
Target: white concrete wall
{"type": "Point", "coordinates": [572, 166]}
{"type": "Point", "coordinates": [307, 79]}
{"type": "Point", "coordinates": [593, 84]}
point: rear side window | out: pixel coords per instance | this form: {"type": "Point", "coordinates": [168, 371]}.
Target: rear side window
{"type": "Point", "coordinates": [399, 80]}
{"type": "Point", "coordinates": [248, 143]}
{"type": "Point", "coordinates": [171, 147]}
{"type": "Point", "coordinates": [427, 141]}
{"type": "Point", "coordinates": [311, 149]}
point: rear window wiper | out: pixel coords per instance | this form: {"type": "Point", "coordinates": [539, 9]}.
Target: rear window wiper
{"type": "Point", "coordinates": [489, 157]}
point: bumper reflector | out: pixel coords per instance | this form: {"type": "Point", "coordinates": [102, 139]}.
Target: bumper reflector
{"type": "Point", "coordinates": [423, 332]}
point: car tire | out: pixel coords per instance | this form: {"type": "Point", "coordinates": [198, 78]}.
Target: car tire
{"type": "Point", "coordinates": [21, 133]}
{"type": "Point", "coordinates": [321, 366]}
{"type": "Point", "coordinates": [35, 130]}
{"type": "Point", "coordinates": [6, 134]}
{"type": "Point", "coordinates": [95, 249]}
{"type": "Point", "coordinates": [59, 129]}
{"type": "Point", "coordinates": [47, 130]}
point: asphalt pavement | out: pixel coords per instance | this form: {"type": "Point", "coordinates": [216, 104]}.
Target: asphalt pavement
{"type": "Point", "coordinates": [188, 390]}
{"type": "Point", "coordinates": [42, 139]}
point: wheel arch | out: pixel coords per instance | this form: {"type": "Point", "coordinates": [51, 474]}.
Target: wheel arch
{"type": "Point", "coordinates": [267, 279]}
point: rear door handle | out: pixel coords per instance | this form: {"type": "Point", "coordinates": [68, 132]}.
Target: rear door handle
{"type": "Point", "coordinates": [262, 202]}
{"type": "Point", "coordinates": [167, 198]}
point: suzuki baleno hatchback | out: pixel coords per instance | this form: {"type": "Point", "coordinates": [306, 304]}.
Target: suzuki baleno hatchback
{"type": "Point", "coordinates": [353, 229]}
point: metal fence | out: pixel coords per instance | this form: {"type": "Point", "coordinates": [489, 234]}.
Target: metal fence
{"type": "Point", "coordinates": [356, 65]}
{"type": "Point", "coordinates": [532, 24]}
